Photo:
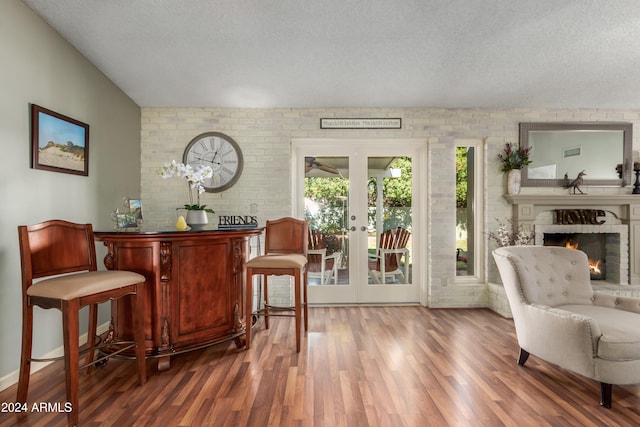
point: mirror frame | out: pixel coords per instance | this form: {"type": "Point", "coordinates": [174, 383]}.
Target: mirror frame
{"type": "Point", "coordinates": [625, 127]}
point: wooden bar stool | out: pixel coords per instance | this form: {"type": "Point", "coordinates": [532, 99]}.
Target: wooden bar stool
{"type": "Point", "coordinates": [285, 245]}
{"type": "Point", "coordinates": [57, 248]}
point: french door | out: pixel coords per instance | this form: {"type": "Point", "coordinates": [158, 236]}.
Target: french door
{"type": "Point", "coordinates": [362, 200]}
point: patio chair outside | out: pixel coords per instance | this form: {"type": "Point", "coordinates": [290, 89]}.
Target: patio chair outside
{"type": "Point", "coordinates": [386, 263]}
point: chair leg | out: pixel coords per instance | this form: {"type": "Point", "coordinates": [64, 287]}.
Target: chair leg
{"type": "Point", "coordinates": [298, 308]}
{"type": "Point", "coordinates": [138, 324]}
{"type": "Point", "coordinates": [265, 292]}
{"type": "Point", "coordinates": [605, 395]}
{"type": "Point", "coordinates": [524, 355]}
{"type": "Point", "coordinates": [70, 332]}
{"type": "Point", "coordinates": [25, 355]}
{"type": "Point", "coordinates": [374, 277]}
{"type": "Point", "coordinates": [306, 311]}
{"type": "Point", "coordinates": [248, 308]}
{"type": "Point", "coordinates": [91, 336]}
{"type": "Point", "coordinates": [383, 271]}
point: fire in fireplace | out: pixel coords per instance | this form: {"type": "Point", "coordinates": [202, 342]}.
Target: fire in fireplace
{"type": "Point", "coordinates": [593, 244]}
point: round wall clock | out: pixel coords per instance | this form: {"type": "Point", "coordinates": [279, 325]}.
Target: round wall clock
{"type": "Point", "coordinates": [219, 151]}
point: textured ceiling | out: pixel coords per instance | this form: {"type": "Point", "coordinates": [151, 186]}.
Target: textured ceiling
{"type": "Point", "coordinates": [360, 53]}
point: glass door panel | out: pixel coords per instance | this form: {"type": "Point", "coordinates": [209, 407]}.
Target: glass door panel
{"type": "Point", "coordinates": [389, 189]}
{"type": "Point", "coordinates": [359, 200]}
{"type": "Point", "coordinates": [326, 208]}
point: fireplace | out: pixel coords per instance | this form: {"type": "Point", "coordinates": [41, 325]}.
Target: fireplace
{"type": "Point", "coordinates": [599, 247]}
{"type": "Point", "coordinates": [606, 247]}
{"type": "Point", "coordinates": [538, 212]}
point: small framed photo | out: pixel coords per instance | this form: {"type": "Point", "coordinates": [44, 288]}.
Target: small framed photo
{"type": "Point", "coordinates": [58, 143]}
{"type": "Point", "coordinates": [127, 220]}
{"type": "Point", "coordinates": [135, 208]}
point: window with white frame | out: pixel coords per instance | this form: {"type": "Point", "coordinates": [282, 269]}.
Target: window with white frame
{"type": "Point", "coordinates": [469, 209]}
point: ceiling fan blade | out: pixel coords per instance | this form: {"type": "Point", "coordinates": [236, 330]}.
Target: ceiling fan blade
{"type": "Point", "coordinates": [312, 163]}
{"type": "Point", "coordinates": [328, 168]}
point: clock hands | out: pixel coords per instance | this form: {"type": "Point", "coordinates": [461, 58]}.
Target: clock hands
{"type": "Point", "coordinates": [215, 154]}
{"type": "Point", "coordinates": [210, 161]}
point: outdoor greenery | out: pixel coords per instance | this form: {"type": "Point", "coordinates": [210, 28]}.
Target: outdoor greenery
{"type": "Point", "coordinates": [461, 177]}
{"type": "Point", "coordinates": [462, 254]}
{"type": "Point", "coordinates": [330, 194]}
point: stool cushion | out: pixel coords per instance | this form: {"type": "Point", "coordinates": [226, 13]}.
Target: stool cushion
{"type": "Point", "coordinates": [77, 285]}
{"type": "Point", "coordinates": [278, 261]}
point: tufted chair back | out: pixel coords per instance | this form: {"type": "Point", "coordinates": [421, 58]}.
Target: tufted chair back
{"type": "Point", "coordinates": [547, 275]}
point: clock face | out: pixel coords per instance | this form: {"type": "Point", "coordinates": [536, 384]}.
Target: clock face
{"type": "Point", "coordinates": [219, 151]}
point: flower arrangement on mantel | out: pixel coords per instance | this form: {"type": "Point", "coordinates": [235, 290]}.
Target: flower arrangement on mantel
{"type": "Point", "coordinates": [194, 176]}
{"type": "Point", "coordinates": [508, 234]}
{"type": "Point", "coordinates": [514, 157]}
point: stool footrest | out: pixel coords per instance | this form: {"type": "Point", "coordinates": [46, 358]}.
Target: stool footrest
{"type": "Point", "coordinates": [106, 356]}
{"type": "Point", "coordinates": [276, 311]}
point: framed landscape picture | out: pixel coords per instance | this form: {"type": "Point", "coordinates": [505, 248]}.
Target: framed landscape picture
{"type": "Point", "coordinates": [127, 220]}
{"type": "Point", "coordinates": [135, 208]}
{"type": "Point", "coordinates": [58, 143]}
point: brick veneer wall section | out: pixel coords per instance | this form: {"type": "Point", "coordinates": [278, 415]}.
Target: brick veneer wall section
{"type": "Point", "coordinates": [264, 136]}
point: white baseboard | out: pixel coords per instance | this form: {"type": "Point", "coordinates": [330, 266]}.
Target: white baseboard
{"type": "Point", "coordinates": [12, 378]}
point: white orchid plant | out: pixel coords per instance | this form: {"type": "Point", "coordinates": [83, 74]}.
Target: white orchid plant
{"type": "Point", "coordinates": [194, 176]}
{"type": "Point", "coordinates": [508, 234]}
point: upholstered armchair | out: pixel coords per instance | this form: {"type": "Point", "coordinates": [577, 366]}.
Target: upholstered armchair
{"type": "Point", "coordinates": [559, 318]}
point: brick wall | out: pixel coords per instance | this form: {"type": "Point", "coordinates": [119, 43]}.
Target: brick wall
{"type": "Point", "coordinates": [264, 136]}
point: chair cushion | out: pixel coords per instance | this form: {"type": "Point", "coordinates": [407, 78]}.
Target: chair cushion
{"type": "Point", "coordinates": [77, 285]}
{"type": "Point", "coordinates": [278, 261]}
{"type": "Point", "coordinates": [620, 338]}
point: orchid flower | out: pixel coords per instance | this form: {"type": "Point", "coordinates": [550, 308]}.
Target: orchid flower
{"type": "Point", "coordinates": [194, 176]}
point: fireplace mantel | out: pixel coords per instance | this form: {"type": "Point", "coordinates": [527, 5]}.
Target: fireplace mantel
{"type": "Point", "coordinates": [625, 207]}
{"type": "Point", "coordinates": [527, 206]}
{"type": "Point", "coordinates": [573, 200]}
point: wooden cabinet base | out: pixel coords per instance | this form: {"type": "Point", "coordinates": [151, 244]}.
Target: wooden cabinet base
{"type": "Point", "coordinates": [194, 291]}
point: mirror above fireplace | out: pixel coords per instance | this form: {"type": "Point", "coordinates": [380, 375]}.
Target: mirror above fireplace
{"type": "Point", "coordinates": [561, 150]}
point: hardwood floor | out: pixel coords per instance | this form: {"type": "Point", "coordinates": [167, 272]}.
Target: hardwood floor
{"type": "Point", "coordinates": [359, 366]}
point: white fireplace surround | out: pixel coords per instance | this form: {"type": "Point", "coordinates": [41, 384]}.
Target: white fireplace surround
{"type": "Point", "coordinates": [535, 212]}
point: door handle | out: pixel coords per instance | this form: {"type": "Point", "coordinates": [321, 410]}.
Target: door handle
{"type": "Point", "coordinates": [353, 228]}
{"type": "Point", "coordinates": [363, 228]}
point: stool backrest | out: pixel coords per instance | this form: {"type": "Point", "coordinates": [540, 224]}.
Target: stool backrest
{"type": "Point", "coordinates": [286, 236]}
{"type": "Point", "coordinates": [55, 247]}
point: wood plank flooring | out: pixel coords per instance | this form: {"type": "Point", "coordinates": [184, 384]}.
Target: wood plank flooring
{"type": "Point", "coordinates": [359, 366]}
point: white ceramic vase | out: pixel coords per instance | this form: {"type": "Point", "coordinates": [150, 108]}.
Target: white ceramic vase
{"type": "Point", "coordinates": [197, 219]}
{"type": "Point", "coordinates": [513, 181]}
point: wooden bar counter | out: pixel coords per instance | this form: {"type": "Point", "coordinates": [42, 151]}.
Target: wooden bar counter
{"type": "Point", "coordinates": [195, 287]}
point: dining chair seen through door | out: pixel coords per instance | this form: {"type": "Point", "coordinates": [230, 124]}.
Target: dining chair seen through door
{"type": "Point", "coordinates": [323, 257]}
